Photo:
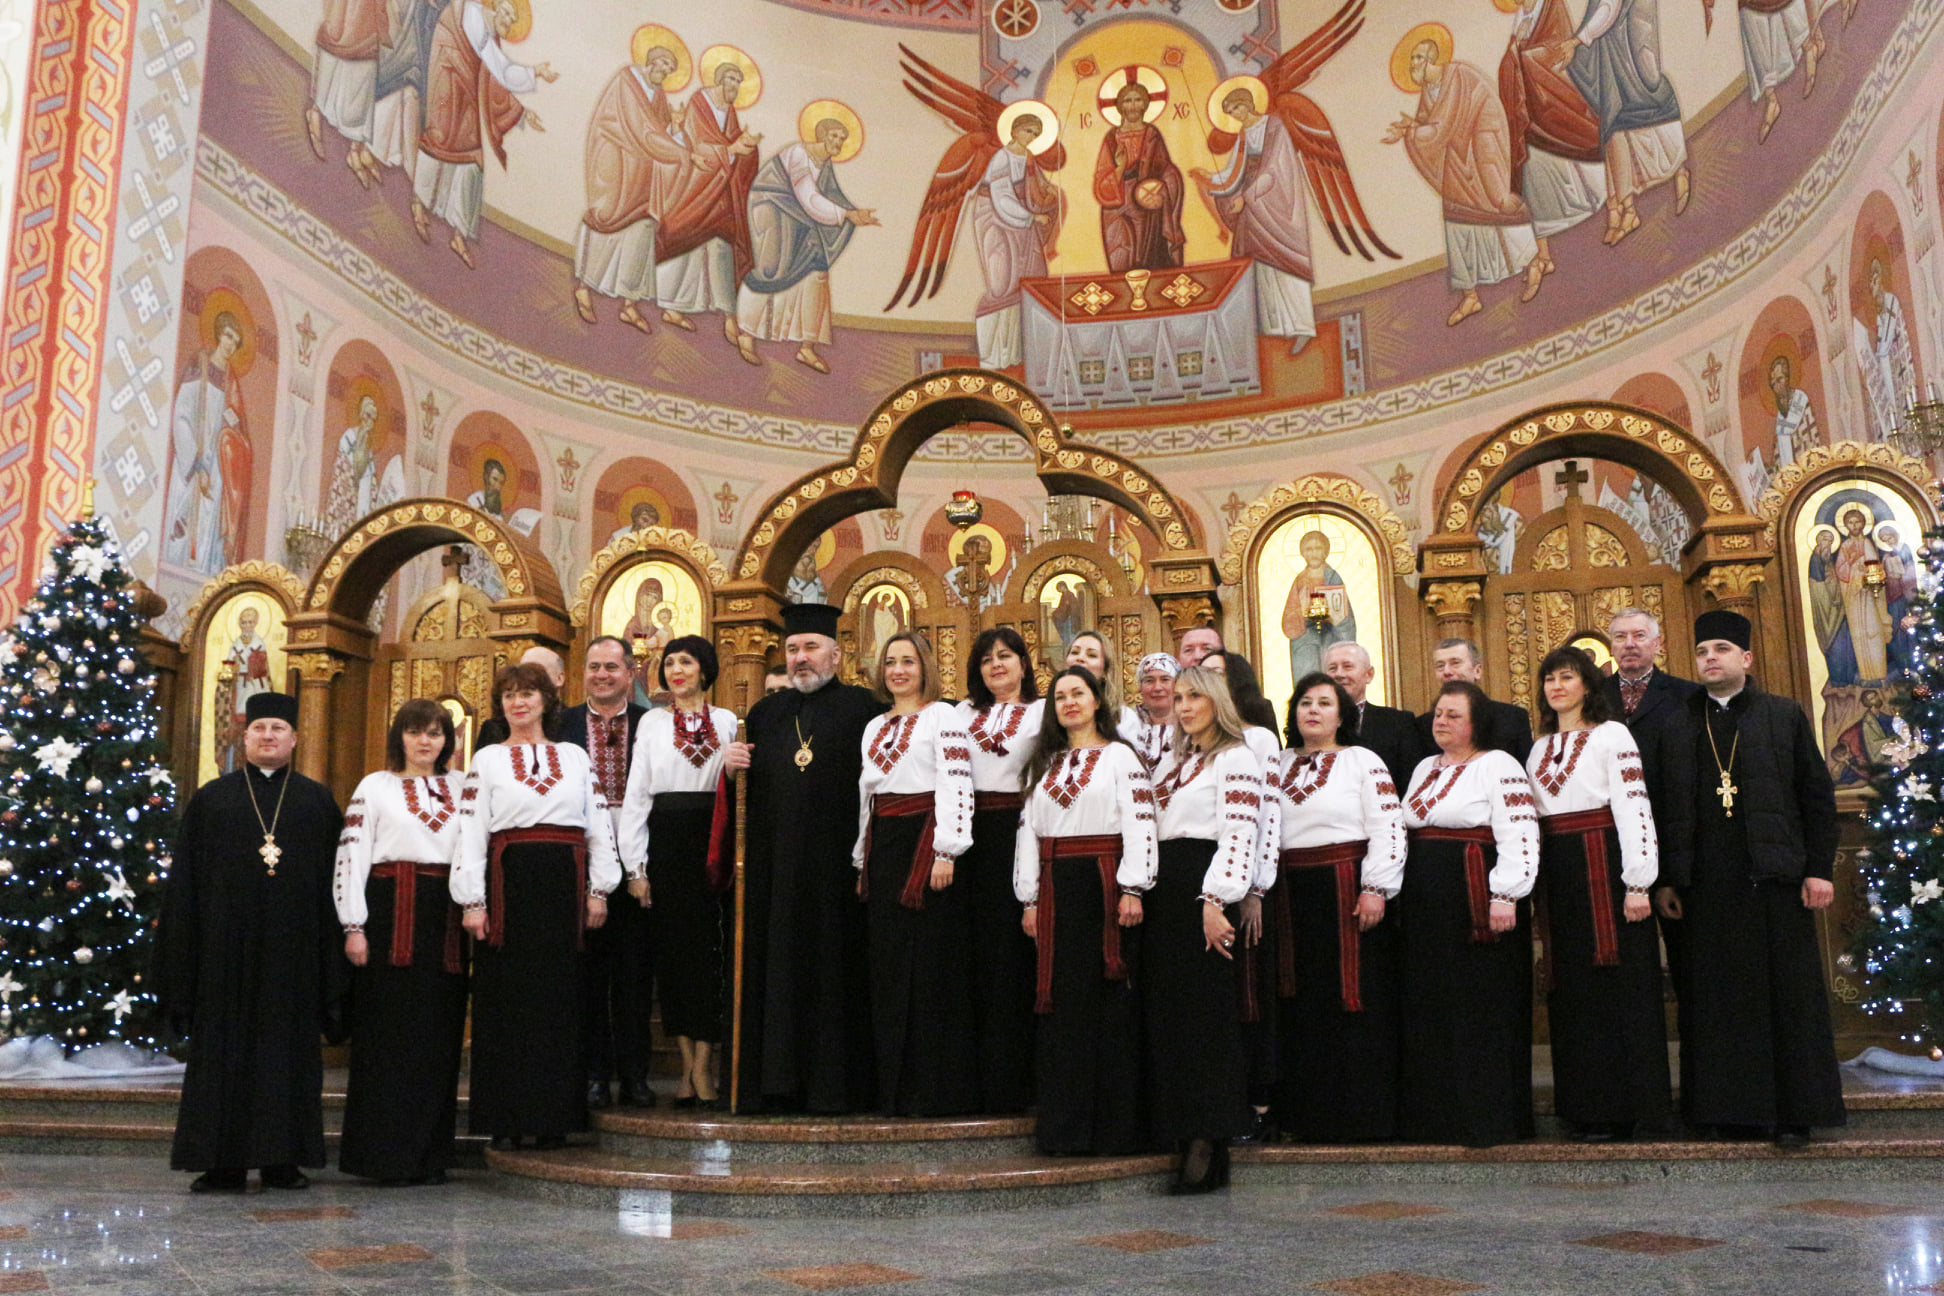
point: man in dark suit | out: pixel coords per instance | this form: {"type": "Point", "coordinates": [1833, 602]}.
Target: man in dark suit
{"type": "Point", "coordinates": [1459, 659]}
{"type": "Point", "coordinates": [1391, 732]}
{"type": "Point", "coordinates": [492, 729]}
{"type": "Point", "coordinates": [616, 998]}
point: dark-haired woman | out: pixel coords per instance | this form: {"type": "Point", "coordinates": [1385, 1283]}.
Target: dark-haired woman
{"type": "Point", "coordinates": [1085, 855]}
{"type": "Point", "coordinates": [914, 821]}
{"type": "Point", "coordinates": [1342, 845]}
{"type": "Point", "coordinates": [1466, 1073]}
{"type": "Point", "coordinates": [402, 934]}
{"type": "Point", "coordinates": [536, 863]}
{"type": "Point", "coordinates": [1002, 715]}
{"type": "Point", "coordinates": [1598, 859]}
{"type": "Point", "coordinates": [677, 846]}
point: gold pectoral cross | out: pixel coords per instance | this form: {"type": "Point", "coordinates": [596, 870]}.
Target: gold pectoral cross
{"type": "Point", "coordinates": [1727, 792]}
{"type": "Point", "coordinates": [271, 853]}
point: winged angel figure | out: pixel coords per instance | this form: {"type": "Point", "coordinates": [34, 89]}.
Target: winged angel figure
{"type": "Point", "coordinates": [1279, 143]}
{"type": "Point", "coordinates": [996, 169]}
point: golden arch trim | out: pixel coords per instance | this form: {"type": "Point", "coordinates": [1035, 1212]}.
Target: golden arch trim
{"type": "Point", "coordinates": [684, 545]}
{"type": "Point", "coordinates": [1392, 536]}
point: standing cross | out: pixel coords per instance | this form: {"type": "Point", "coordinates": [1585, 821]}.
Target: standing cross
{"type": "Point", "coordinates": [1571, 478]}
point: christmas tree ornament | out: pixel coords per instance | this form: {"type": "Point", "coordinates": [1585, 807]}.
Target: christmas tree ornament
{"type": "Point", "coordinates": [84, 955]}
{"type": "Point", "coordinates": [92, 785]}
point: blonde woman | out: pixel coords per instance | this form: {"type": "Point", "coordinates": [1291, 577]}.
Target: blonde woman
{"type": "Point", "coordinates": [1091, 650]}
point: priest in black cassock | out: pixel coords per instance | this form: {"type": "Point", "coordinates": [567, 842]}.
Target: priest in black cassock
{"type": "Point", "coordinates": [1759, 823]}
{"type": "Point", "coordinates": [249, 964]}
{"type": "Point", "coordinates": [806, 990]}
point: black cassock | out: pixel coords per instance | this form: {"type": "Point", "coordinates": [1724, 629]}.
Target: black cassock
{"type": "Point", "coordinates": [806, 990]}
{"type": "Point", "coordinates": [253, 964]}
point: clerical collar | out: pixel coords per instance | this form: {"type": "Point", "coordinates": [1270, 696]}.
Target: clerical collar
{"type": "Point", "coordinates": [269, 773]}
{"type": "Point", "coordinates": [1723, 702]}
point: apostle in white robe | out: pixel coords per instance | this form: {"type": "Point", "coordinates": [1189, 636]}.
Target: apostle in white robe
{"type": "Point", "coordinates": [637, 160]}
{"type": "Point", "coordinates": [1775, 35]}
{"type": "Point", "coordinates": [1795, 420]}
{"type": "Point", "coordinates": [344, 79]}
{"type": "Point", "coordinates": [1014, 222]}
{"type": "Point", "coordinates": [1618, 69]}
{"type": "Point", "coordinates": [210, 474]}
{"type": "Point", "coordinates": [1259, 196]}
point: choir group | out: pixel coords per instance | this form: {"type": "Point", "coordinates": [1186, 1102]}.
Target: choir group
{"type": "Point", "coordinates": [1172, 924]}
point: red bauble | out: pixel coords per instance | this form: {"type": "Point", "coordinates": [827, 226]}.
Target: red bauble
{"type": "Point", "coordinates": [1920, 691]}
{"type": "Point", "coordinates": [74, 884]}
{"type": "Point", "coordinates": [105, 726]}
{"type": "Point", "coordinates": [8, 816]}
{"type": "Point", "coordinates": [155, 800]}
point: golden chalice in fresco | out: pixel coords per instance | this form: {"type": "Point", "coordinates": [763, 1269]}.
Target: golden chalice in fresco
{"type": "Point", "coordinates": [1137, 282]}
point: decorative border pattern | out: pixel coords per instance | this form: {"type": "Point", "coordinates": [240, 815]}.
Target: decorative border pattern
{"type": "Point", "coordinates": [932, 15]}
{"type": "Point", "coordinates": [57, 286]}
{"type": "Point", "coordinates": [1819, 458]}
{"type": "Point", "coordinates": [672, 540]}
{"type": "Point", "coordinates": [904, 580]}
{"type": "Point", "coordinates": [1317, 488]}
{"type": "Point", "coordinates": [523, 573]}
{"type": "Point", "coordinates": [1060, 565]}
{"type": "Point", "coordinates": [274, 577]}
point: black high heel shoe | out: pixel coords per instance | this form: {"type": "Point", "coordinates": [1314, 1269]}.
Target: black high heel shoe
{"type": "Point", "coordinates": [1204, 1167]}
{"type": "Point", "coordinates": [688, 1102]}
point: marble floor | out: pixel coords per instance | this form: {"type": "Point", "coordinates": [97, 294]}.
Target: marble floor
{"type": "Point", "coordinates": [128, 1226]}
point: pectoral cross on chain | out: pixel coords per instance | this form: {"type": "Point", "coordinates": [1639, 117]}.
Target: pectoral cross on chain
{"type": "Point", "coordinates": [1727, 792]}
{"type": "Point", "coordinates": [271, 853]}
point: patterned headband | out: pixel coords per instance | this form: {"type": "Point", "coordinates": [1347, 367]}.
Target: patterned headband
{"type": "Point", "coordinates": [1159, 661]}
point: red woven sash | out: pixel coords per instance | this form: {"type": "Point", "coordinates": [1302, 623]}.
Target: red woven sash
{"type": "Point", "coordinates": [1590, 827]}
{"type": "Point", "coordinates": [902, 806]}
{"type": "Point", "coordinates": [998, 800]}
{"type": "Point", "coordinates": [551, 834]}
{"type": "Point", "coordinates": [1347, 859]}
{"type": "Point", "coordinates": [1105, 849]}
{"type": "Point", "coordinates": [718, 866]}
{"type": "Point", "coordinates": [1477, 886]}
{"type": "Point", "coordinates": [405, 876]}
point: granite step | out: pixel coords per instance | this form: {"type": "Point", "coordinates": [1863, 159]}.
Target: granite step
{"type": "Point", "coordinates": [682, 1136]}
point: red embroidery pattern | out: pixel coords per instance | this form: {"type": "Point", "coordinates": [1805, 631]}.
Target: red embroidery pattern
{"type": "Point", "coordinates": [889, 747]}
{"type": "Point", "coordinates": [440, 793]}
{"type": "Point", "coordinates": [1632, 774]}
{"type": "Point", "coordinates": [696, 740]}
{"type": "Point", "coordinates": [1555, 767]}
{"type": "Point", "coordinates": [1180, 777]}
{"type": "Point", "coordinates": [470, 792]}
{"type": "Point", "coordinates": [961, 754]}
{"type": "Point", "coordinates": [1305, 777]}
{"type": "Point", "coordinates": [994, 743]}
{"type": "Point", "coordinates": [354, 821]}
{"type": "Point", "coordinates": [534, 779]}
{"type": "Point", "coordinates": [1428, 796]}
{"type": "Point", "coordinates": [1078, 767]}
{"type": "Point", "coordinates": [1242, 798]}
{"type": "Point", "coordinates": [1518, 798]}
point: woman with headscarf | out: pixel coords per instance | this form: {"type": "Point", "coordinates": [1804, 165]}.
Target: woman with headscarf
{"type": "Point", "coordinates": [1149, 727]}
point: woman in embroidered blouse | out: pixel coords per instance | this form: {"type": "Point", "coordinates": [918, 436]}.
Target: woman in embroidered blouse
{"type": "Point", "coordinates": [535, 865]}
{"type": "Point", "coordinates": [1609, 1037]}
{"type": "Point", "coordinates": [1341, 839]}
{"type": "Point", "coordinates": [677, 845]}
{"type": "Point", "coordinates": [1209, 797]}
{"type": "Point", "coordinates": [1090, 649]}
{"type": "Point", "coordinates": [915, 820]}
{"type": "Point", "coordinates": [1002, 716]}
{"type": "Point", "coordinates": [1466, 1070]}
{"type": "Point", "coordinates": [1149, 727]}
{"type": "Point", "coordinates": [1085, 853]}
{"type": "Point", "coordinates": [402, 934]}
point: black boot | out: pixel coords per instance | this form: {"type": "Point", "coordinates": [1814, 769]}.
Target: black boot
{"type": "Point", "coordinates": [221, 1181]}
{"type": "Point", "coordinates": [637, 1092]}
{"type": "Point", "coordinates": [598, 1096]}
{"type": "Point", "coordinates": [285, 1176]}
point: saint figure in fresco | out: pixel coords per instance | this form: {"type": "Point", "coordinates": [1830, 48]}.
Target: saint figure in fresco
{"type": "Point", "coordinates": [209, 473]}
{"type": "Point", "coordinates": [1557, 162]}
{"type": "Point", "coordinates": [642, 516]}
{"type": "Point", "coordinates": [1891, 337]}
{"type": "Point", "coordinates": [1900, 582]}
{"type": "Point", "coordinates": [648, 632]}
{"type": "Point", "coordinates": [1863, 611]}
{"type": "Point", "coordinates": [806, 583]}
{"type": "Point", "coordinates": [344, 81]}
{"type": "Point", "coordinates": [1460, 142]}
{"type": "Point", "coordinates": [1861, 745]}
{"type": "Point", "coordinates": [702, 244]}
{"type": "Point", "coordinates": [358, 484]}
{"type": "Point", "coordinates": [1775, 36]}
{"type": "Point", "coordinates": [1308, 642]}
{"type": "Point", "coordinates": [637, 163]}
{"type": "Point", "coordinates": [1615, 61]}
{"type": "Point", "coordinates": [246, 663]}
{"type": "Point", "coordinates": [1138, 187]}
{"type": "Point", "coordinates": [800, 222]}
{"type": "Point", "coordinates": [1259, 197]}
{"type": "Point", "coordinates": [879, 617]}
{"type": "Point", "coordinates": [1795, 420]}
{"type": "Point", "coordinates": [403, 59]}
{"type": "Point", "coordinates": [1826, 612]}
{"type": "Point", "coordinates": [471, 101]}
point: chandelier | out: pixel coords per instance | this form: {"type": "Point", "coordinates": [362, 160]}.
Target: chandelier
{"type": "Point", "coordinates": [1920, 432]}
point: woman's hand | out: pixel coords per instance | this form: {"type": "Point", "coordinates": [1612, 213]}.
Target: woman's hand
{"type": "Point", "coordinates": [1252, 921]}
{"type": "Point", "coordinates": [1637, 908]}
{"type": "Point", "coordinates": [1029, 921]}
{"type": "Point", "coordinates": [638, 888]}
{"type": "Point", "coordinates": [1505, 915]}
{"type": "Point", "coordinates": [1370, 910]}
{"type": "Point", "coordinates": [1216, 931]}
{"type": "Point", "coordinates": [475, 923]}
{"type": "Point", "coordinates": [355, 948]}
{"type": "Point", "coordinates": [942, 868]}
{"type": "Point", "coordinates": [1130, 911]}
{"type": "Point", "coordinates": [596, 911]}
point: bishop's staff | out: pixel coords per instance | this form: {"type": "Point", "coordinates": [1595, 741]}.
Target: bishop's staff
{"type": "Point", "coordinates": [736, 996]}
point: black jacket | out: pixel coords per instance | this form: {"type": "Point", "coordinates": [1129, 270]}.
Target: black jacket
{"type": "Point", "coordinates": [1393, 734]}
{"type": "Point", "coordinates": [573, 727]}
{"type": "Point", "coordinates": [1511, 732]}
{"type": "Point", "coordinates": [1783, 790]}
{"type": "Point", "coordinates": [1661, 703]}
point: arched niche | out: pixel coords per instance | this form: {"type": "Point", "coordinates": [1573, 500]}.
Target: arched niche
{"type": "Point", "coordinates": [617, 571]}
{"type": "Point", "coordinates": [1113, 606]}
{"type": "Point", "coordinates": [219, 643]}
{"type": "Point", "coordinates": [331, 643]}
{"type": "Point", "coordinates": [913, 597]}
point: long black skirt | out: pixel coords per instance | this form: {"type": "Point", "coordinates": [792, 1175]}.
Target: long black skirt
{"type": "Point", "coordinates": [526, 1062]}
{"type": "Point", "coordinates": [1466, 1072]}
{"type": "Point", "coordinates": [1002, 964]}
{"type": "Point", "coordinates": [921, 984]}
{"type": "Point", "coordinates": [1255, 986]}
{"type": "Point", "coordinates": [1337, 1070]}
{"type": "Point", "coordinates": [1609, 1035]}
{"type": "Point", "coordinates": [686, 918]}
{"type": "Point", "coordinates": [1196, 1068]}
{"type": "Point", "coordinates": [401, 1102]}
{"type": "Point", "coordinates": [1089, 1092]}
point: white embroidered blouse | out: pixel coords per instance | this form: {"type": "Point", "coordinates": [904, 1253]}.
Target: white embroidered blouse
{"type": "Point", "coordinates": [1326, 798]}
{"type": "Point", "coordinates": [1149, 740]}
{"type": "Point", "coordinates": [1215, 798]}
{"type": "Point", "coordinates": [1599, 768]}
{"type": "Point", "coordinates": [676, 752]}
{"type": "Point", "coordinates": [1089, 792]}
{"type": "Point", "coordinates": [926, 751]}
{"type": "Point", "coordinates": [1262, 742]}
{"type": "Point", "coordinates": [523, 787]}
{"type": "Point", "coordinates": [1489, 790]}
{"type": "Point", "coordinates": [1002, 741]}
{"type": "Point", "coordinates": [392, 817]}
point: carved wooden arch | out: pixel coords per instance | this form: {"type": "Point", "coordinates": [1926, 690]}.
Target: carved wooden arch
{"type": "Point", "coordinates": [1642, 440]}
{"type": "Point", "coordinates": [1872, 459]}
{"type": "Point", "coordinates": [903, 422]}
{"type": "Point", "coordinates": [1388, 532]}
{"type": "Point", "coordinates": [1080, 557]}
{"type": "Point", "coordinates": [281, 586]}
{"type": "Point", "coordinates": [356, 568]}
{"type": "Point", "coordinates": [943, 621]}
{"type": "Point", "coordinates": [671, 544]}
{"type": "Point", "coordinates": [1541, 528]}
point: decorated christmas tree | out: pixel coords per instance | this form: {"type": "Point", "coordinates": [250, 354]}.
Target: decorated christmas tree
{"type": "Point", "coordinates": [86, 810]}
{"type": "Point", "coordinates": [1900, 941]}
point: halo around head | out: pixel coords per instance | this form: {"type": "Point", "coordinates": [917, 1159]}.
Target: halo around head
{"type": "Point", "coordinates": [752, 83]}
{"type": "Point", "coordinates": [643, 494]}
{"type": "Point", "coordinates": [647, 37]}
{"type": "Point", "coordinates": [355, 392]}
{"type": "Point", "coordinates": [1258, 94]}
{"type": "Point", "coordinates": [1400, 61]}
{"type": "Point", "coordinates": [510, 487]}
{"type": "Point", "coordinates": [1049, 124]}
{"type": "Point", "coordinates": [522, 22]}
{"type": "Point", "coordinates": [836, 110]}
{"type": "Point", "coordinates": [1110, 88]}
{"type": "Point", "coordinates": [955, 547]}
{"type": "Point", "coordinates": [225, 301]}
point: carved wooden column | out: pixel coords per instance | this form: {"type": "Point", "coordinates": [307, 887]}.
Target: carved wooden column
{"type": "Point", "coordinates": [1728, 560]}
{"type": "Point", "coordinates": [1451, 581]}
{"type": "Point", "coordinates": [1183, 587]}
{"type": "Point", "coordinates": [315, 671]}
{"type": "Point", "coordinates": [748, 628]}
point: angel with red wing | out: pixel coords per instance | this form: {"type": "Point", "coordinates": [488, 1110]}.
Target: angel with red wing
{"type": "Point", "coordinates": [1280, 146]}
{"type": "Point", "coordinates": [996, 170]}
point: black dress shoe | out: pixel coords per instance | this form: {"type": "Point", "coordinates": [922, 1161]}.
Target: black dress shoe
{"type": "Point", "coordinates": [550, 1142]}
{"type": "Point", "coordinates": [1261, 1132]}
{"type": "Point", "coordinates": [287, 1177]}
{"type": "Point", "coordinates": [637, 1093]}
{"type": "Point", "coordinates": [598, 1095]}
{"type": "Point", "coordinates": [224, 1181]}
{"type": "Point", "coordinates": [1792, 1137]}
{"type": "Point", "coordinates": [685, 1104]}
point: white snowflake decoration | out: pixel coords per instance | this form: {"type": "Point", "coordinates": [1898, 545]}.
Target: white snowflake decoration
{"type": "Point", "coordinates": [91, 563]}
{"type": "Point", "coordinates": [1916, 789]}
{"type": "Point", "coordinates": [1907, 748]}
{"type": "Point", "coordinates": [121, 1005]}
{"type": "Point", "coordinates": [55, 757]}
{"type": "Point", "coordinates": [1925, 892]}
